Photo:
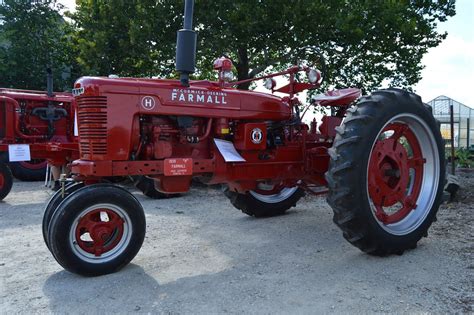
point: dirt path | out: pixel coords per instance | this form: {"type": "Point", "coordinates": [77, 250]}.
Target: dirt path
{"type": "Point", "coordinates": [203, 256]}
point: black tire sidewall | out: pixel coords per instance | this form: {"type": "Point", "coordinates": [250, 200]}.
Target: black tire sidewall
{"type": "Point", "coordinates": [66, 214]}
{"type": "Point", "coordinates": [26, 174]}
{"type": "Point", "coordinates": [53, 202]}
{"type": "Point", "coordinates": [252, 206]}
{"type": "Point", "coordinates": [7, 180]}
{"type": "Point", "coordinates": [147, 187]}
{"type": "Point", "coordinates": [265, 209]}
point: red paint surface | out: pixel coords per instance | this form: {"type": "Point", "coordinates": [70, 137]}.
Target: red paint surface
{"type": "Point", "coordinates": [389, 174]}
{"type": "Point", "coordinates": [105, 235]}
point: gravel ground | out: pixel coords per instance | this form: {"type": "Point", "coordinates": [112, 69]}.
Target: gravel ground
{"type": "Point", "coordinates": [203, 256]}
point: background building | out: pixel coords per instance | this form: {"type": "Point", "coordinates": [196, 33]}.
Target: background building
{"type": "Point", "coordinates": [463, 120]}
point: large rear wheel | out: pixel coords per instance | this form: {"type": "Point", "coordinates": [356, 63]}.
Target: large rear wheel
{"type": "Point", "coordinates": [97, 230]}
{"type": "Point", "coordinates": [266, 200]}
{"type": "Point", "coordinates": [386, 173]}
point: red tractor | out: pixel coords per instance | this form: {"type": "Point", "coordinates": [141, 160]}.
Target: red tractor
{"type": "Point", "coordinates": [35, 127]}
{"type": "Point", "coordinates": [380, 157]}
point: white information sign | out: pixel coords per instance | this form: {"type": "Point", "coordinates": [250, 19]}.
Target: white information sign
{"type": "Point", "coordinates": [19, 152]}
{"type": "Point", "coordinates": [228, 151]}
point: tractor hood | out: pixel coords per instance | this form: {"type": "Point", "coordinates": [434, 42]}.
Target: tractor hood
{"type": "Point", "coordinates": [169, 97]}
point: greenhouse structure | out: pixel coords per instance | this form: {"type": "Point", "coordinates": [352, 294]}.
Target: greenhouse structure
{"type": "Point", "coordinates": [463, 121]}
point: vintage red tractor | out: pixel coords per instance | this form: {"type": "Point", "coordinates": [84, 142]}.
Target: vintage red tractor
{"type": "Point", "coordinates": [380, 157]}
{"type": "Point", "coordinates": [40, 127]}
{"type": "Point", "coordinates": [35, 127]}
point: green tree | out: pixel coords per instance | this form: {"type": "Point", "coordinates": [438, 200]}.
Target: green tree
{"type": "Point", "coordinates": [129, 38]}
{"type": "Point", "coordinates": [362, 42]}
{"type": "Point", "coordinates": [34, 36]}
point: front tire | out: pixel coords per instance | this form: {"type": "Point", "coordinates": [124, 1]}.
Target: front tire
{"type": "Point", "coordinates": [261, 203]}
{"type": "Point", "coordinates": [53, 203]}
{"type": "Point", "coordinates": [6, 180]}
{"type": "Point", "coordinates": [386, 172]}
{"type": "Point", "coordinates": [97, 230]}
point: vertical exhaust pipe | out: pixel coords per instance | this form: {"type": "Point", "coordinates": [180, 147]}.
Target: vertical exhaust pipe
{"type": "Point", "coordinates": [49, 82]}
{"type": "Point", "coordinates": [186, 45]}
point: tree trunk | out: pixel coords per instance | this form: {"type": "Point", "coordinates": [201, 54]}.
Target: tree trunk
{"type": "Point", "coordinates": [243, 68]}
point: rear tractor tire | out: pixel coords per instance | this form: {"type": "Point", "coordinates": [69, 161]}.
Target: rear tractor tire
{"type": "Point", "coordinates": [29, 171]}
{"type": "Point", "coordinates": [97, 230]}
{"type": "Point", "coordinates": [147, 186]}
{"type": "Point", "coordinates": [265, 202]}
{"type": "Point", "coordinates": [6, 180]}
{"type": "Point", "coordinates": [386, 173]}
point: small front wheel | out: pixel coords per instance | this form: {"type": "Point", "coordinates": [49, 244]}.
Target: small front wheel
{"type": "Point", "coordinates": [97, 230]}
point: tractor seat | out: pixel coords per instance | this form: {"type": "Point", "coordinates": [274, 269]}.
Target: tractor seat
{"type": "Point", "coordinates": [337, 97]}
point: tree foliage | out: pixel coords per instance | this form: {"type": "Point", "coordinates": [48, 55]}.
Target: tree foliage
{"type": "Point", "coordinates": [33, 37]}
{"type": "Point", "coordinates": [364, 43]}
{"type": "Point", "coordinates": [129, 38]}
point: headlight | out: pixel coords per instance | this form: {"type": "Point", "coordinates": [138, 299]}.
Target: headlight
{"type": "Point", "coordinates": [313, 75]}
{"type": "Point", "coordinates": [269, 83]}
{"type": "Point", "coordinates": [227, 76]}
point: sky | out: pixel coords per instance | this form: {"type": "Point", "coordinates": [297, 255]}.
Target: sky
{"type": "Point", "coordinates": [449, 68]}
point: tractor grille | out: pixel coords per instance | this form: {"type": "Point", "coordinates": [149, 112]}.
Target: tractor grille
{"type": "Point", "coordinates": [92, 120]}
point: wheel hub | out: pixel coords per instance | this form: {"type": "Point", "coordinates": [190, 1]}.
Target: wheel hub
{"type": "Point", "coordinates": [395, 173]}
{"type": "Point", "coordinates": [104, 229]}
{"type": "Point", "coordinates": [389, 173]}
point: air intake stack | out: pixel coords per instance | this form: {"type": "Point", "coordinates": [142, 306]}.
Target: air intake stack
{"type": "Point", "coordinates": [186, 45]}
{"type": "Point", "coordinates": [49, 82]}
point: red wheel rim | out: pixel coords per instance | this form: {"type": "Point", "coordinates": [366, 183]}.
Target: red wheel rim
{"type": "Point", "coordinates": [2, 180]}
{"type": "Point", "coordinates": [395, 173]}
{"type": "Point", "coordinates": [34, 164]}
{"type": "Point", "coordinates": [99, 231]}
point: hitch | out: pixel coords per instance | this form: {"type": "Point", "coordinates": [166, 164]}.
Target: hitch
{"type": "Point", "coordinates": [62, 182]}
